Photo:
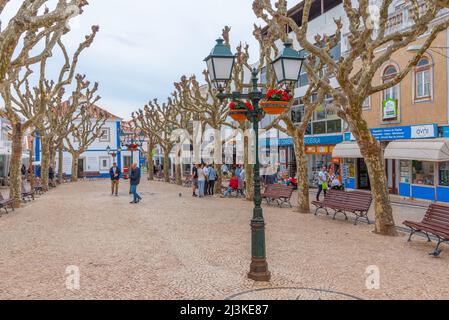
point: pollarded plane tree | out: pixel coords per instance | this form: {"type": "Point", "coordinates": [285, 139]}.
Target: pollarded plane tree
{"type": "Point", "coordinates": [37, 103]}
{"type": "Point", "coordinates": [312, 99]}
{"type": "Point", "coordinates": [160, 120]}
{"type": "Point", "coordinates": [85, 130]}
{"type": "Point", "coordinates": [24, 42]}
{"type": "Point", "coordinates": [142, 123]}
{"type": "Point", "coordinates": [184, 125]}
{"type": "Point", "coordinates": [62, 114]}
{"type": "Point", "coordinates": [204, 106]}
{"type": "Point", "coordinates": [31, 23]}
{"type": "Point", "coordinates": [371, 45]}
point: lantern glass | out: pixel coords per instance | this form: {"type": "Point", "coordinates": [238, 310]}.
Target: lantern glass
{"type": "Point", "coordinates": [287, 66]}
{"type": "Point", "coordinates": [220, 63]}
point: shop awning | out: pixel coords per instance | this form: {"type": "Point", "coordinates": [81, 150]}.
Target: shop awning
{"type": "Point", "coordinates": [422, 150]}
{"type": "Point", "coordinates": [346, 150]}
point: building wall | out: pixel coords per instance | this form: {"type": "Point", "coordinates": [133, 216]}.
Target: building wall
{"type": "Point", "coordinates": [411, 111]}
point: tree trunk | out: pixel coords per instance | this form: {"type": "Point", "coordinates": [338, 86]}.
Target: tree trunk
{"type": "Point", "coordinates": [166, 166]}
{"type": "Point", "coordinates": [31, 173]}
{"type": "Point", "coordinates": [15, 177]}
{"type": "Point", "coordinates": [150, 162]}
{"type": "Point", "coordinates": [372, 154]}
{"type": "Point", "coordinates": [178, 174]}
{"type": "Point", "coordinates": [52, 151]}
{"type": "Point", "coordinates": [218, 180]}
{"type": "Point", "coordinates": [75, 157]}
{"type": "Point", "coordinates": [60, 162]}
{"type": "Point", "coordinates": [302, 175]}
{"type": "Point", "coordinates": [45, 159]}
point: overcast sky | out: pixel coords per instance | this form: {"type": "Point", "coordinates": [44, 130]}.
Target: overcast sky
{"type": "Point", "coordinates": [145, 45]}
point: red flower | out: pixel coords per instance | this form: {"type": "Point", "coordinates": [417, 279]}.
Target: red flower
{"type": "Point", "coordinates": [232, 105]}
{"type": "Point", "coordinates": [249, 105]}
{"type": "Point", "coordinates": [285, 98]}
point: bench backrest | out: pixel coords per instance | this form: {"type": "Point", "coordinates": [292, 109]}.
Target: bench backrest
{"type": "Point", "coordinates": [437, 214]}
{"type": "Point", "coordinates": [352, 200]}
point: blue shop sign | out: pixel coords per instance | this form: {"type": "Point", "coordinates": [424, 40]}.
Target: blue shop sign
{"type": "Point", "coordinates": [425, 131]}
{"type": "Point", "coordinates": [311, 140]}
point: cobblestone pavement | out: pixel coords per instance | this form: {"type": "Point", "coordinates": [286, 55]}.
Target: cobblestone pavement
{"type": "Point", "coordinates": [179, 247]}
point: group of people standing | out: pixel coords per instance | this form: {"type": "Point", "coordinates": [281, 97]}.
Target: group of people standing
{"type": "Point", "coordinates": [134, 180]}
{"type": "Point", "coordinates": [203, 177]}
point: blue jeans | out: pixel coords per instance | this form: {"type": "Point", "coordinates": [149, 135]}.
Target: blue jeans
{"type": "Point", "coordinates": [201, 184]}
{"type": "Point", "coordinates": [135, 194]}
{"type": "Point", "coordinates": [229, 191]}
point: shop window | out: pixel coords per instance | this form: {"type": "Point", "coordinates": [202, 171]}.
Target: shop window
{"type": "Point", "coordinates": [334, 126]}
{"type": "Point", "coordinates": [319, 127]}
{"type": "Point", "coordinates": [423, 80]}
{"type": "Point", "coordinates": [444, 174]}
{"type": "Point", "coordinates": [405, 168]}
{"type": "Point", "coordinates": [423, 173]}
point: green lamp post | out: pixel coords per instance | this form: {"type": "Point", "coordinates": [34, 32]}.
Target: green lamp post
{"type": "Point", "coordinates": [287, 68]}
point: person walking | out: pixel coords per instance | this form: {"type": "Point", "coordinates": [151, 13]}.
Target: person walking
{"type": "Point", "coordinates": [201, 181]}
{"type": "Point", "coordinates": [212, 177]}
{"type": "Point", "coordinates": [135, 181]}
{"type": "Point", "coordinates": [195, 179]}
{"type": "Point", "coordinates": [114, 172]}
{"type": "Point", "coordinates": [322, 182]}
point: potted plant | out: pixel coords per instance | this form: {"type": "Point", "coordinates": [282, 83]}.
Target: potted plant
{"type": "Point", "coordinates": [238, 110]}
{"type": "Point", "coordinates": [276, 101]}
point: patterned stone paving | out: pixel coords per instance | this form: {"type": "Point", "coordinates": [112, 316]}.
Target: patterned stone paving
{"type": "Point", "coordinates": [179, 247]}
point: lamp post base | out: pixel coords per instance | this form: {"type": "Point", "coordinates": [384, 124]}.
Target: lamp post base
{"type": "Point", "coordinates": [258, 270]}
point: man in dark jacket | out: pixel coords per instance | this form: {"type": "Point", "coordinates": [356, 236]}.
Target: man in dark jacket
{"type": "Point", "coordinates": [135, 180]}
{"type": "Point", "coordinates": [114, 172]}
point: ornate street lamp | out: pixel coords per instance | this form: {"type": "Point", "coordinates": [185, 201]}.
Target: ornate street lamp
{"type": "Point", "coordinates": [288, 65]}
{"type": "Point", "coordinates": [220, 63]}
{"type": "Point", "coordinates": [113, 154]}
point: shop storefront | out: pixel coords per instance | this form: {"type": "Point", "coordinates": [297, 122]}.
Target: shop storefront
{"type": "Point", "coordinates": [318, 151]}
{"type": "Point", "coordinates": [416, 161]}
{"type": "Point", "coordinates": [424, 168]}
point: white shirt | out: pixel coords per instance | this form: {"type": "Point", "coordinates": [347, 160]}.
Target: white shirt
{"type": "Point", "coordinates": [201, 175]}
{"type": "Point", "coordinates": [322, 177]}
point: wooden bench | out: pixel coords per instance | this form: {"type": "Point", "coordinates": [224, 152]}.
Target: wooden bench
{"type": "Point", "coordinates": [435, 222]}
{"type": "Point", "coordinates": [357, 203]}
{"type": "Point", "coordinates": [90, 174]}
{"type": "Point", "coordinates": [27, 193]}
{"type": "Point", "coordinates": [279, 193]}
{"type": "Point", "coordinates": [38, 186]}
{"type": "Point", "coordinates": [5, 203]}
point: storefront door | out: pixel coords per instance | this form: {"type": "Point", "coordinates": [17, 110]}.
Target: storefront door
{"type": "Point", "coordinates": [363, 176]}
{"type": "Point", "coordinates": [390, 167]}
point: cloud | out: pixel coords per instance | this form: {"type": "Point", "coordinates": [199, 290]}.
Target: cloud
{"type": "Point", "coordinates": [145, 45]}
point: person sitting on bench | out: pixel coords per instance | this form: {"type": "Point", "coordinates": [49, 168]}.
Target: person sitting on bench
{"type": "Point", "coordinates": [233, 185]}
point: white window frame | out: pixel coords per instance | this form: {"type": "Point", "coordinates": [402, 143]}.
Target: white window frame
{"type": "Point", "coordinates": [102, 139]}
{"type": "Point", "coordinates": [108, 164]}
{"type": "Point", "coordinates": [419, 75]}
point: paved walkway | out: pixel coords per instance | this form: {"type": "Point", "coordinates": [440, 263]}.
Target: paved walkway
{"type": "Point", "coordinates": [179, 247]}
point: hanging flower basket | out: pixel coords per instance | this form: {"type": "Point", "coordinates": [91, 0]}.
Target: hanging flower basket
{"type": "Point", "coordinates": [238, 115]}
{"type": "Point", "coordinates": [238, 110]}
{"type": "Point", "coordinates": [274, 107]}
{"type": "Point", "coordinates": [276, 101]}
